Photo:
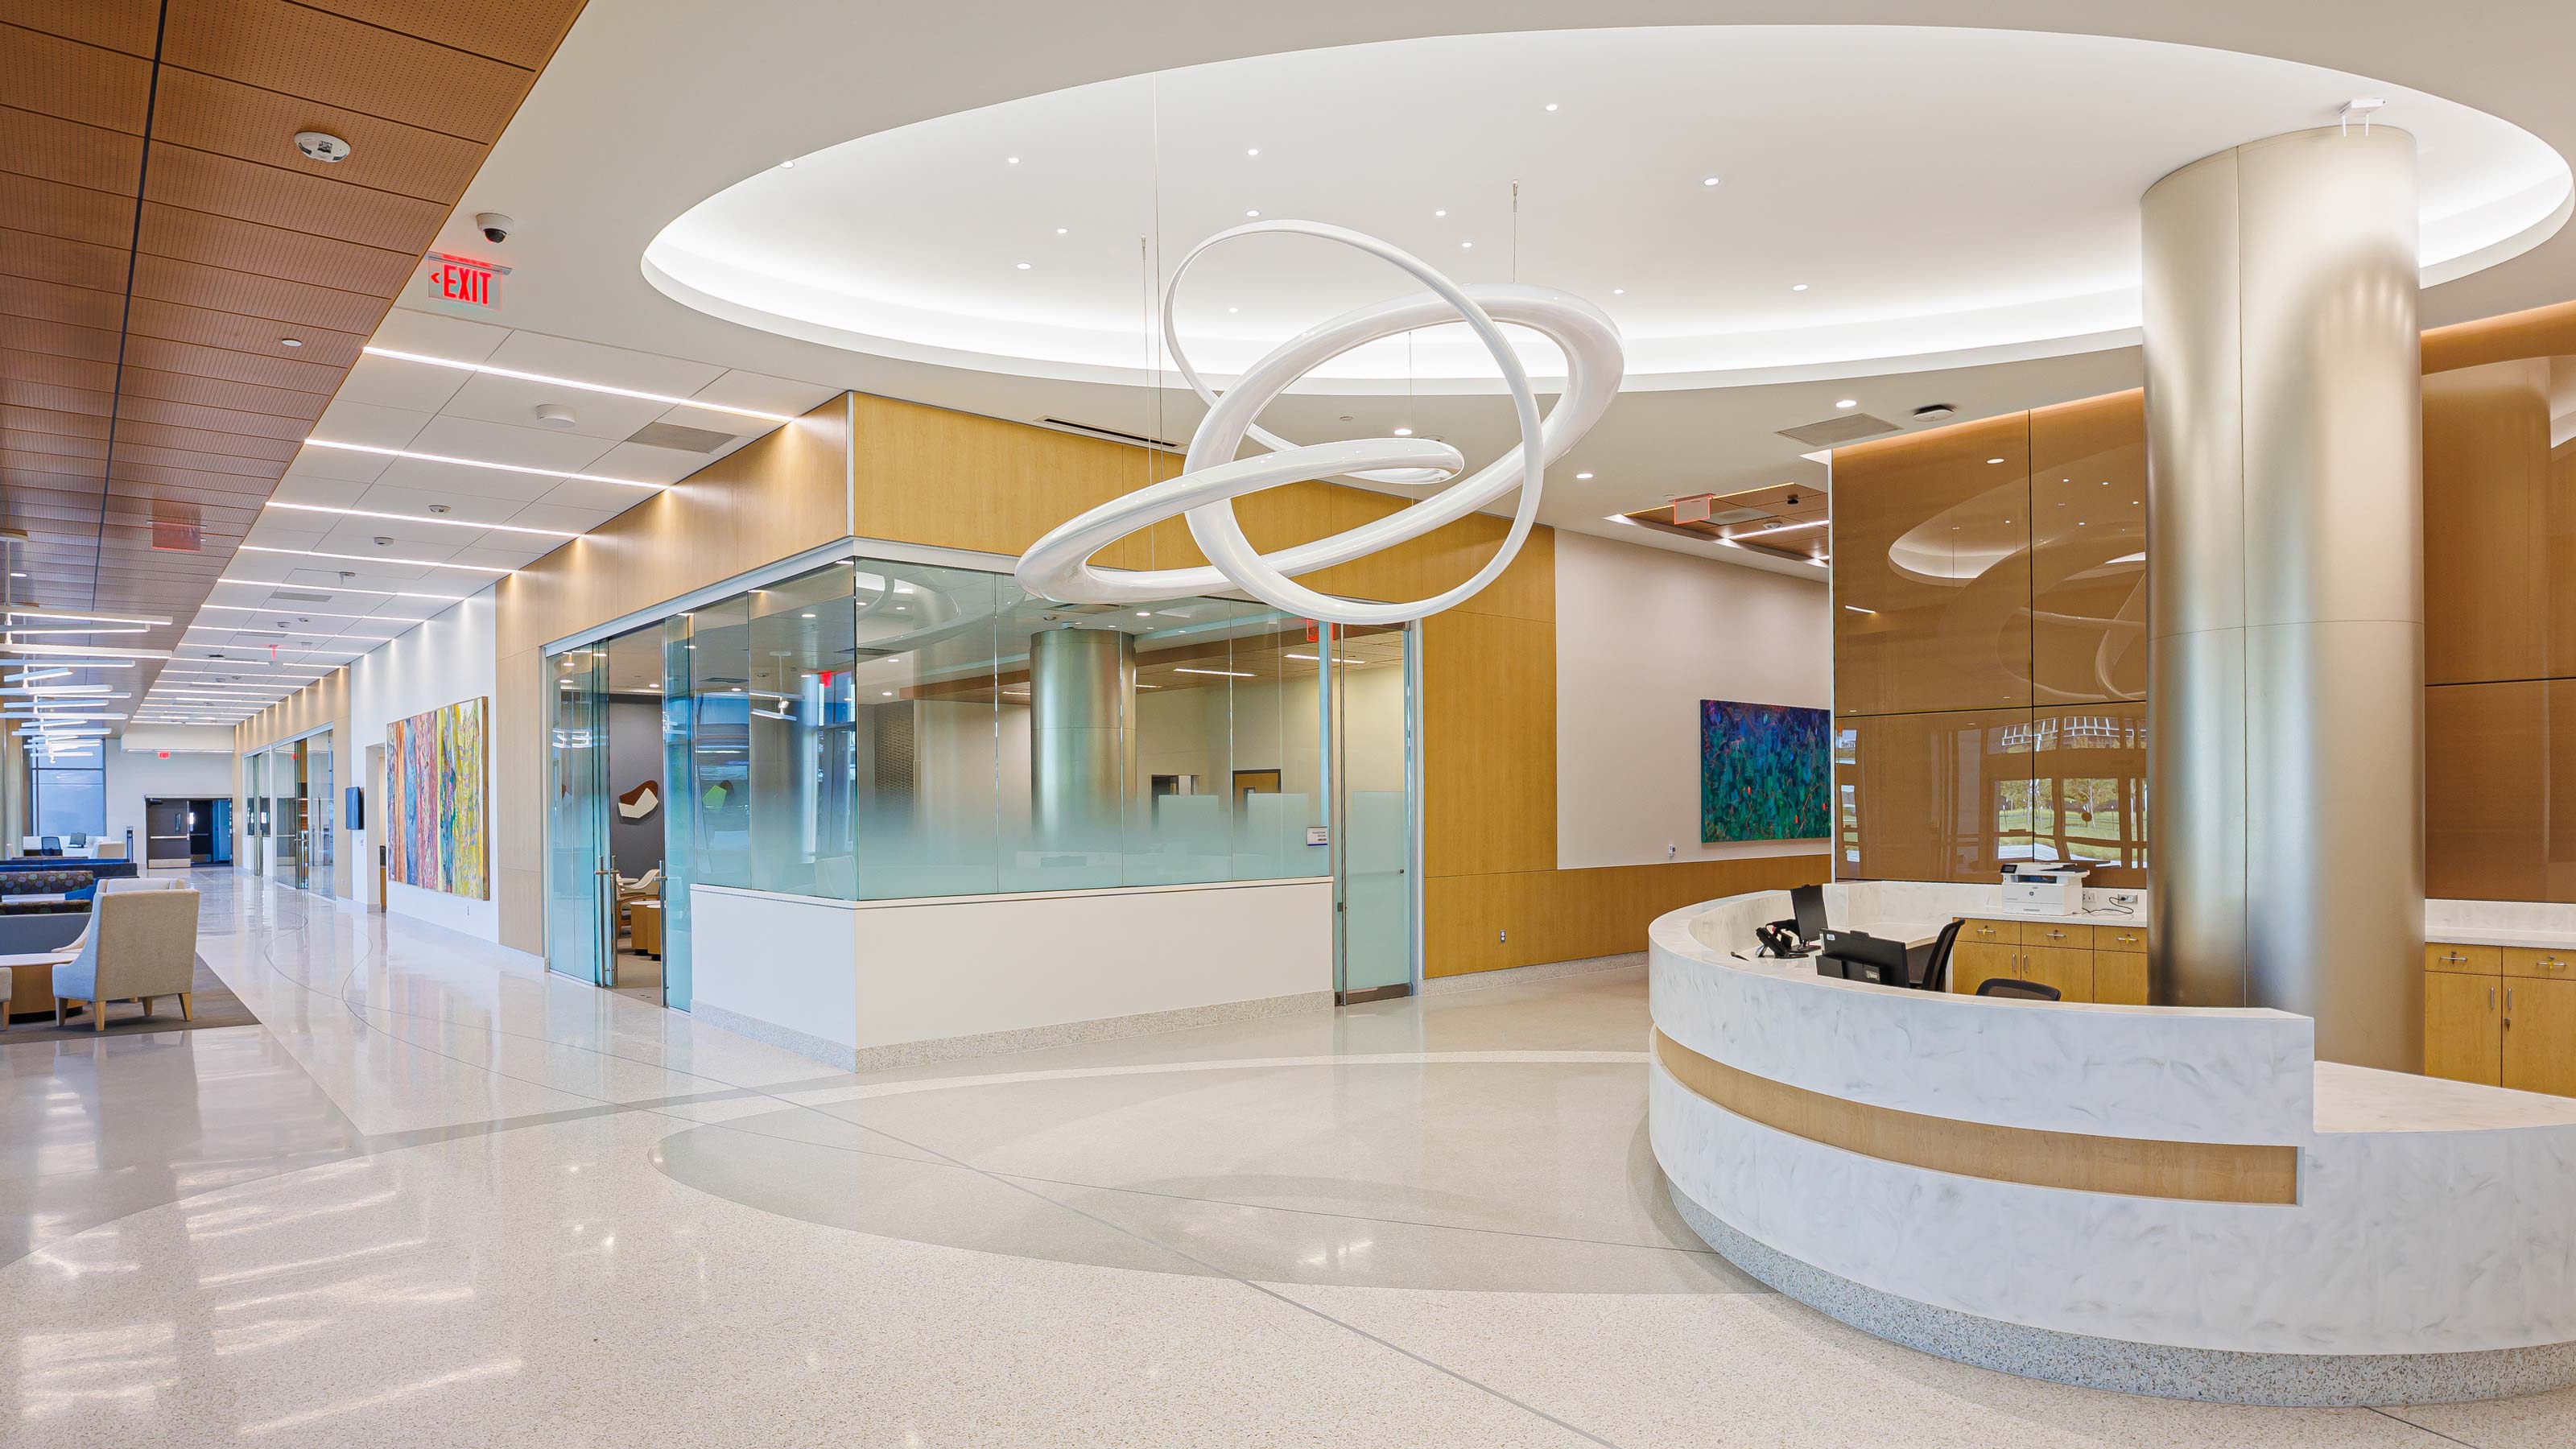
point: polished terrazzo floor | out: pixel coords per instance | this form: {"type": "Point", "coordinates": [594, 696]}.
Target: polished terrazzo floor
{"type": "Point", "coordinates": [439, 1198]}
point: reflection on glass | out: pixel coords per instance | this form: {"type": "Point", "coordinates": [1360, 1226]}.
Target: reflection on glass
{"type": "Point", "coordinates": [716, 806]}
{"type": "Point", "coordinates": [797, 718]}
{"type": "Point", "coordinates": [2089, 787]}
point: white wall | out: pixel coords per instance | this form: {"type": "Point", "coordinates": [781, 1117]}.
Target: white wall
{"type": "Point", "coordinates": [451, 658]}
{"type": "Point", "coordinates": [134, 775]}
{"type": "Point", "coordinates": [1642, 636]}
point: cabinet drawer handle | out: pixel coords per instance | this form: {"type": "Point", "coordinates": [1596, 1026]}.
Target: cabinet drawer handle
{"type": "Point", "coordinates": [2057, 935]}
{"type": "Point", "coordinates": [2454, 956]}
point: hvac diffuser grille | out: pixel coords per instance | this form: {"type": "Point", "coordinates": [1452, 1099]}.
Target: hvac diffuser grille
{"type": "Point", "coordinates": [1848, 428]}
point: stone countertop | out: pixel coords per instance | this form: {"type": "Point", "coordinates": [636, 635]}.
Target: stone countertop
{"type": "Point", "coordinates": [2536, 937]}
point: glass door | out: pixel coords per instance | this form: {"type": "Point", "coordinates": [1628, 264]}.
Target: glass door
{"type": "Point", "coordinates": [317, 810]}
{"type": "Point", "coordinates": [1370, 713]}
{"type": "Point", "coordinates": [254, 810]}
{"type": "Point", "coordinates": [580, 880]}
{"type": "Point", "coordinates": [298, 808]}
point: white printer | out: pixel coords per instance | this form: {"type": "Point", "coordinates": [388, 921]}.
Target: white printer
{"type": "Point", "coordinates": [2033, 889]}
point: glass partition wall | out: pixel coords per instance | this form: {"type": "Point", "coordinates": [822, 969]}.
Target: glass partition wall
{"type": "Point", "coordinates": [882, 730]}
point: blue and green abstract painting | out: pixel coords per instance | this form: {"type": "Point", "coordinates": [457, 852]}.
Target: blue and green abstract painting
{"type": "Point", "coordinates": [1764, 772]}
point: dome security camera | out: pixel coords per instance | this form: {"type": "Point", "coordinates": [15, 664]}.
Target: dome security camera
{"type": "Point", "coordinates": [494, 226]}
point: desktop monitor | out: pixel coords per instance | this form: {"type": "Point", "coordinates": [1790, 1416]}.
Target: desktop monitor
{"type": "Point", "coordinates": [1809, 903]}
{"type": "Point", "coordinates": [1865, 957]}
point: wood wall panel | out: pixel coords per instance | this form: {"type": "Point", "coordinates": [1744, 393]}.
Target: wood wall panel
{"type": "Point", "coordinates": [1931, 538]}
{"type": "Point", "coordinates": [1488, 744]}
{"type": "Point", "coordinates": [1497, 921]}
{"type": "Point", "coordinates": [2218, 1172]}
{"type": "Point", "coordinates": [2540, 332]}
{"type": "Point", "coordinates": [2088, 491]}
{"type": "Point", "coordinates": [2486, 468]}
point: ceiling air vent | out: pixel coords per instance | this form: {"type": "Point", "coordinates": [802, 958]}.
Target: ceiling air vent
{"type": "Point", "coordinates": [1849, 428]}
{"type": "Point", "coordinates": [301, 598]}
{"type": "Point", "coordinates": [686, 440]}
{"type": "Point", "coordinates": [1110, 434]}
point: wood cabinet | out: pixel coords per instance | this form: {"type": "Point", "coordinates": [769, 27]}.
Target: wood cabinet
{"type": "Point", "coordinates": [2463, 1026]}
{"type": "Point", "coordinates": [2085, 962]}
{"type": "Point", "coordinates": [2539, 1047]}
{"type": "Point", "coordinates": [2504, 1016]}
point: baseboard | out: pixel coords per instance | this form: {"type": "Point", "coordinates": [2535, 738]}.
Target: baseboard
{"type": "Point", "coordinates": [934, 1050]}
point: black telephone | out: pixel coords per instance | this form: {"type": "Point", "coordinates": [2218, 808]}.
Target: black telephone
{"type": "Point", "coordinates": [1781, 938]}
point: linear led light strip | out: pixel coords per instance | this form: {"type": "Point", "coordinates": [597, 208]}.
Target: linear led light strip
{"type": "Point", "coordinates": [423, 518]}
{"type": "Point", "coordinates": [418, 563]}
{"type": "Point", "coordinates": [339, 589]}
{"type": "Point", "coordinates": [15, 632]}
{"type": "Point", "coordinates": [478, 463]}
{"type": "Point", "coordinates": [40, 611]}
{"type": "Point", "coordinates": [304, 613]}
{"type": "Point", "coordinates": [83, 651]}
{"type": "Point", "coordinates": [1221, 673]}
{"type": "Point", "coordinates": [485, 367]}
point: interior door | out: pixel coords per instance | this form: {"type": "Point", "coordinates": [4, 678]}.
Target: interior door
{"type": "Point", "coordinates": [1369, 704]}
{"type": "Point", "coordinates": [580, 883]}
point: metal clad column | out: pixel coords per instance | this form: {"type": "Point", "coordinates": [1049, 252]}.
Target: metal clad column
{"type": "Point", "coordinates": [2285, 580]}
{"type": "Point", "coordinates": [1082, 691]}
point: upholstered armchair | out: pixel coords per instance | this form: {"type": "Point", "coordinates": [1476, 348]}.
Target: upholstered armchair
{"type": "Point", "coordinates": [141, 944]}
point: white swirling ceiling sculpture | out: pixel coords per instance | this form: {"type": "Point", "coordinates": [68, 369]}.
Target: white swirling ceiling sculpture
{"type": "Point", "coordinates": [1059, 567]}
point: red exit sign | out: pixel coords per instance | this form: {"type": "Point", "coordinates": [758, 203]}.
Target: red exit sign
{"type": "Point", "coordinates": [460, 279]}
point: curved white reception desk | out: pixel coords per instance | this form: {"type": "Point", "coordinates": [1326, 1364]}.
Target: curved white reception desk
{"type": "Point", "coordinates": [2158, 1200]}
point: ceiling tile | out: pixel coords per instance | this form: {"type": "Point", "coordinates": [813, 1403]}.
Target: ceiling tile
{"type": "Point", "coordinates": [585, 495]}
{"type": "Point", "coordinates": [647, 464]}
{"type": "Point", "coordinates": [56, 208]}
{"type": "Point", "coordinates": [170, 280]}
{"type": "Point", "coordinates": [610, 366]}
{"type": "Point", "coordinates": [556, 515]}
{"type": "Point", "coordinates": [479, 482]}
{"type": "Point", "coordinates": [209, 113]}
{"type": "Point", "coordinates": [53, 149]}
{"type": "Point", "coordinates": [353, 420]}
{"type": "Point", "coordinates": [756, 390]}
{"type": "Point", "coordinates": [431, 334]}
{"type": "Point", "coordinates": [251, 246]}
{"type": "Point", "coordinates": [457, 437]}
{"type": "Point", "coordinates": [298, 487]}
{"type": "Point", "coordinates": [388, 383]}
{"type": "Point", "coordinates": [303, 52]}
{"type": "Point", "coordinates": [339, 466]}
{"type": "Point", "coordinates": [510, 401]}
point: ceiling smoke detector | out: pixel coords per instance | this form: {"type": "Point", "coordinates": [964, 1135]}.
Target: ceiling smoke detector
{"type": "Point", "coordinates": [442, 508]}
{"type": "Point", "coordinates": [322, 146]}
{"type": "Point", "coordinates": [555, 415]}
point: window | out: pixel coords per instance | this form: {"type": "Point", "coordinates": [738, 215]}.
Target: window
{"type": "Point", "coordinates": [70, 802]}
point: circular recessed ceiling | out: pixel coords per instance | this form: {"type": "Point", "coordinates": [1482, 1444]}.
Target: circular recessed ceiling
{"type": "Point", "coordinates": [1940, 195]}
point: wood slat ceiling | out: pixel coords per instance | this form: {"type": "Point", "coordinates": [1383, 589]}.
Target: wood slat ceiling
{"type": "Point", "coordinates": [1784, 520]}
{"type": "Point", "coordinates": [160, 236]}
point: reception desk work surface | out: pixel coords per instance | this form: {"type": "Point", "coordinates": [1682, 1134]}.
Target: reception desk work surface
{"type": "Point", "coordinates": [2157, 1200]}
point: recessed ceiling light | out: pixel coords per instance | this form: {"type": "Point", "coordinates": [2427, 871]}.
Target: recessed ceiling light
{"type": "Point", "coordinates": [1469, 245]}
{"type": "Point", "coordinates": [1059, 231]}
{"type": "Point", "coordinates": [1798, 287]}
{"type": "Point", "coordinates": [1996, 460]}
{"type": "Point", "coordinates": [1846, 402]}
{"type": "Point", "coordinates": [1252, 213]}
{"type": "Point", "coordinates": [485, 367]}
{"type": "Point", "coordinates": [1579, 477]}
{"type": "Point", "coordinates": [1404, 432]}
{"type": "Point", "coordinates": [1014, 160]}
{"type": "Point", "coordinates": [290, 342]}
{"type": "Point", "coordinates": [476, 463]}
{"type": "Point", "coordinates": [1618, 291]}
{"type": "Point", "coordinates": [1442, 212]}
{"type": "Point", "coordinates": [1234, 309]}
{"type": "Point", "coordinates": [805, 616]}
{"type": "Point", "coordinates": [1708, 181]}
{"type": "Point", "coordinates": [1551, 105]}
{"type": "Point", "coordinates": [1024, 266]}
{"type": "Point", "coordinates": [1251, 150]}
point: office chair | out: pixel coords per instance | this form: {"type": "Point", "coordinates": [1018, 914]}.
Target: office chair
{"type": "Point", "coordinates": [1936, 967]}
{"type": "Point", "coordinates": [2025, 990]}
{"type": "Point", "coordinates": [49, 845]}
{"type": "Point", "coordinates": [1864, 957]}
{"type": "Point", "coordinates": [1807, 904]}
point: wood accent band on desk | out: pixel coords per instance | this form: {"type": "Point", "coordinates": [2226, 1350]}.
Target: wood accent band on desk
{"type": "Point", "coordinates": [2139, 1167]}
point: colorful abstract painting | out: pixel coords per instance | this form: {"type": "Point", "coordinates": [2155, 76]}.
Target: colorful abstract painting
{"type": "Point", "coordinates": [434, 766]}
{"type": "Point", "coordinates": [1764, 772]}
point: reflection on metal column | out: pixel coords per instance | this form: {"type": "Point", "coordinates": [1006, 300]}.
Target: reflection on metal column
{"type": "Point", "coordinates": [1082, 694]}
{"type": "Point", "coordinates": [2285, 581]}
